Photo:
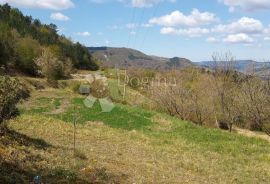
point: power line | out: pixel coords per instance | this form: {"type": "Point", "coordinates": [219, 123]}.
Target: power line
{"type": "Point", "coordinates": [132, 20]}
{"type": "Point", "coordinates": [138, 26]}
{"type": "Point", "coordinates": [148, 28]}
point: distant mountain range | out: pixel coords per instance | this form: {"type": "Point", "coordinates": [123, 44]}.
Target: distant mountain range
{"type": "Point", "coordinates": [245, 66]}
{"type": "Point", "coordinates": [240, 65]}
{"type": "Point", "coordinates": [124, 57]}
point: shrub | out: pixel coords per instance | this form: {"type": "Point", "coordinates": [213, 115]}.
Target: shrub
{"type": "Point", "coordinates": [52, 68]}
{"type": "Point", "coordinates": [99, 89]}
{"type": "Point", "coordinates": [11, 92]}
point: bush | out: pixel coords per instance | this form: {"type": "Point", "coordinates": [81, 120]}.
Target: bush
{"type": "Point", "coordinates": [52, 68]}
{"type": "Point", "coordinates": [99, 89]}
{"type": "Point", "coordinates": [11, 92]}
{"type": "Point", "coordinates": [75, 86]}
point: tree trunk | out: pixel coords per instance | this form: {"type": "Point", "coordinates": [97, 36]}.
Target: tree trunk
{"type": "Point", "coordinates": [230, 127]}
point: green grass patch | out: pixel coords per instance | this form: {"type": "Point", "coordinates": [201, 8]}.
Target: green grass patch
{"type": "Point", "coordinates": [216, 140]}
{"type": "Point", "coordinates": [120, 117]}
{"type": "Point", "coordinates": [41, 105]}
{"type": "Point", "coordinates": [57, 102]}
{"type": "Point", "coordinates": [167, 148]}
{"type": "Point", "coordinates": [116, 91]}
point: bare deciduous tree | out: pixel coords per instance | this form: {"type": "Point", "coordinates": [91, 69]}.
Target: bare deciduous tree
{"type": "Point", "coordinates": [255, 103]}
{"type": "Point", "coordinates": [223, 83]}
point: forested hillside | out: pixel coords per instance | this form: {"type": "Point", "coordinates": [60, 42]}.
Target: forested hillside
{"type": "Point", "coordinates": [125, 57]}
{"type": "Point", "coordinates": [23, 39]}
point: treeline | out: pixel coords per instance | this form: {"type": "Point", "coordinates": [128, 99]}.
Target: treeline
{"type": "Point", "coordinates": [220, 97]}
{"type": "Point", "coordinates": [24, 39]}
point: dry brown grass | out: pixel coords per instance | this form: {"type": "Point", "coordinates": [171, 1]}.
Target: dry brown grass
{"type": "Point", "coordinates": [133, 157]}
{"type": "Point", "coordinates": [161, 123]}
{"type": "Point", "coordinates": [249, 133]}
{"type": "Point", "coordinates": [167, 151]}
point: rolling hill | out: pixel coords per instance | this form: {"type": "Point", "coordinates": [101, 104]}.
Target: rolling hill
{"type": "Point", "coordinates": [124, 57]}
{"type": "Point", "coordinates": [240, 65]}
{"type": "Point", "coordinates": [261, 69]}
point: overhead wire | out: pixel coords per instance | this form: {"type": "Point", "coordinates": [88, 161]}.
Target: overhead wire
{"type": "Point", "coordinates": [149, 27]}
{"type": "Point", "coordinates": [132, 20]}
{"type": "Point", "coordinates": [138, 26]}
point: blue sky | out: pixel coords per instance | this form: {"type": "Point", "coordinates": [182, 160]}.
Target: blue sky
{"type": "Point", "coordinates": [186, 28]}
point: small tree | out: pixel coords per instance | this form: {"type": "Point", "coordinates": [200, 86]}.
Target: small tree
{"type": "Point", "coordinates": [52, 68]}
{"type": "Point", "coordinates": [223, 85]}
{"type": "Point", "coordinates": [173, 99]}
{"type": "Point", "coordinates": [200, 105]}
{"type": "Point", "coordinates": [255, 103]}
{"type": "Point", "coordinates": [27, 49]}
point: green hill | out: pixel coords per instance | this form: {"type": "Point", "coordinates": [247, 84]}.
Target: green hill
{"type": "Point", "coordinates": [126, 145]}
{"type": "Point", "coordinates": [124, 57]}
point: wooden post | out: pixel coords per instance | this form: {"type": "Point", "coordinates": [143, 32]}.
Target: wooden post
{"type": "Point", "coordinates": [124, 93]}
{"type": "Point", "coordinates": [74, 132]}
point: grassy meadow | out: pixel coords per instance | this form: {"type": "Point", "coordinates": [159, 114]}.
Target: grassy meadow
{"type": "Point", "coordinates": [126, 145]}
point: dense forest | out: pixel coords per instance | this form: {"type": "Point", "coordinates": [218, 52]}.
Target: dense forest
{"type": "Point", "coordinates": [24, 39]}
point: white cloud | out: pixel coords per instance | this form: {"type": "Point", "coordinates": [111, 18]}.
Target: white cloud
{"type": "Point", "coordinates": [212, 40]}
{"type": "Point", "coordinates": [144, 3]}
{"type": "Point", "coordinates": [248, 5]}
{"type": "Point", "coordinates": [86, 33]}
{"type": "Point", "coordinates": [59, 16]}
{"type": "Point", "coordinates": [146, 25]}
{"type": "Point", "coordinates": [147, 3]}
{"type": "Point", "coordinates": [134, 26]}
{"type": "Point", "coordinates": [132, 33]}
{"type": "Point", "coordinates": [131, 25]}
{"type": "Point", "coordinates": [232, 9]}
{"type": "Point", "coordinates": [191, 32]}
{"type": "Point", "coordinates": [107, 42]}
{"type": "Point", "coordinates": [238, 38]}
{"type": "Point", "coordinates": [44, 4]}
{"type": "Point", "coordinates": [267, 38]}
{"type": "Point", "coordinates": [97, 1]}
{"type": "Point", "coordinates": [135, 3]}
{"type": "Point", "coordinates": [267, 30]}
{"type": "Point", "coordinates": [115, 27]}
{"type": "Point", "coordinates": [243, 25]}
{"type": "Point", "coordinates": [177, 18]}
